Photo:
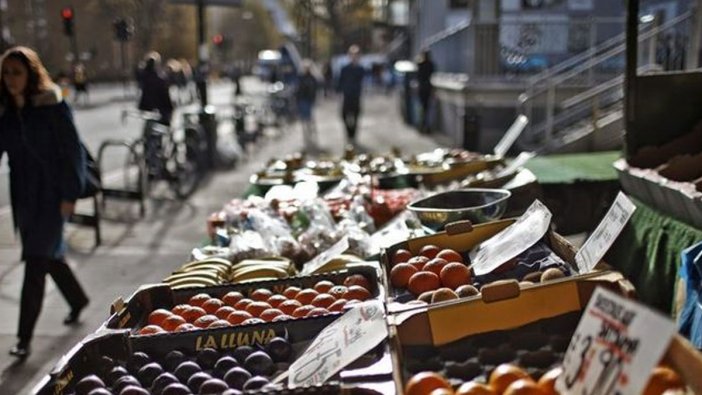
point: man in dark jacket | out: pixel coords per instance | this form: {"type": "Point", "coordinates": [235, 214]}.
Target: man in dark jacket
{"type": "Point", "coordinates": [425, 69]}
{"type": "Point", "coordinates": [154, 89]}
{"type": "Point", "coordinates": [350, 85]}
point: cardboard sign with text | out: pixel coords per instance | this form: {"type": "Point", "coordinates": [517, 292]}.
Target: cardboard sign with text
{"type": "Point", "coordinates": [616, 345]}
{"type": "Point", "coordinates": [345, 340]}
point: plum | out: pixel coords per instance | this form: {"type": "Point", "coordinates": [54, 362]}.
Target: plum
{"type": "Point", "coordinates": [213, 386]}
{"type": "Point", "coordinates": [207, 357]}
{"type": "Point", "coordinates": [196, 380]}
{"type": "Point", "coordinates": [241, 352]}
{"type": "Point", "coordinates": [223, 365]}
{"type": "Point", "coordinates": [279, 349]}
{"type": "Point", "coordinates": [173, 359]}
{"type": "Point", "coordinates": [88, 383]}
{"type": "Point", "coordinates": [176, 389]}
{"type": "Point", "coordinates": [148, 373]}
{"type": "Point", "coordinates": [136, 361]}
{"type": "Point", "coordinates": [237, 377]}
{"type": "Point", "coordinates": [259, 363]}
{"type": "Point", "coordinates": [162, 382]}
{"type": "Point", "coordinates": [185, 370]}
{"type": "Point", "coordinates": [123, 382]}
{"type": "Point", "coordinates": [255, 383]}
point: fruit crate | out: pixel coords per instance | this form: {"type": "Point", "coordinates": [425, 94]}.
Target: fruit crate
{"type": "Point", "coordinates": [134, 313]}
{"type": "Point", "coordinates": [100, 353]}
{"type": "Point", "coordinates": [462, 237]}
{"type": "Point", "coordinates": [527, 327]}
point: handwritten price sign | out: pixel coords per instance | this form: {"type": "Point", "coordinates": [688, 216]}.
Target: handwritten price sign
{"type": "Point", "coordinates": [347, 339]}
{"type": "Point", "coordinates": [616, 345]}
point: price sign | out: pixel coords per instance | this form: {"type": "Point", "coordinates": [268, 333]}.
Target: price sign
{"type": "Point", "coordinates": [322, 259]}
{"type": "Point", "coordinates": [513, 240]}
{"type": "Point", "coordinates": [347, 339]}
{"type": "Point", "coordinates": [607, 231]}
{"type": "Point", "coordinates": [614, 348]}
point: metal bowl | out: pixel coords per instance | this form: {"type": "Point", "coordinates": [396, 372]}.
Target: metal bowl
{"type": "Point", "coordinates": [475, 204]}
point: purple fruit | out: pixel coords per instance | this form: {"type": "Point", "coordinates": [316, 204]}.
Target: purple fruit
{"type": "Point", "coordinates": [148, 373]}
{"type": "Point", "coordinates": [279, 349]}
{"type": "Point", "coordinates": [196, 380]}
{"type": "Point", "coordinates": [223, 365]}
{"type": "Point", "coordinates": [136, 361]}
{"type": "Point", "coordinates": [255, 383]}
{"type": "Point", "coordinates": [207, 357]}
{"type": "Point", "coordinates": [115, 374]}
{"type": "Point", "coordinates": [185, 370]}
{"type": "Point", "coordinates": [123, 382]}
{"type": "Point", "coordinates": [176, 389]}
{"type": "Point", "coordinates": [88, 383]}
{"type": "Point", "coordinates": [237, 377]}
{"type": "Point", "coordinates": [161, 382]}
{"type": "Point", "coordinates": [133, 390]}
{"type": "Point", "coordinates": [213, 386]}
{"type": "Point", "coordinates": [100, 391]}
{"type": "Point", "coordinates": [232, 391]}
{"type": "Point", "coordinates": [259, 364]}
{"type": "Point", "coordinates": [241, 352]}
{"type": "Point", "coordinates": [173, 359]}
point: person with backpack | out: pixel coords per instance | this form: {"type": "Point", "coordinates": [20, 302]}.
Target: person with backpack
{"type": "Point", "coordinates": [155, 95]}
{"type": "Point", "coordinates": [47, 175]}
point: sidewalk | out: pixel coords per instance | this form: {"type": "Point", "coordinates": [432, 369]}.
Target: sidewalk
{"type": "Point", "coordinates": [136, 252]}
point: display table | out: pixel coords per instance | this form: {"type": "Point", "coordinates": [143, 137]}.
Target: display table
{"type": "Point", "coordinates": [648, 253]}
{"type": "Point", "coordinates": [577, 188]}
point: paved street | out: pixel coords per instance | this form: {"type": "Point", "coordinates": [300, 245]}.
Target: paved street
{"type": "Point", "coordinates": [138, 251]}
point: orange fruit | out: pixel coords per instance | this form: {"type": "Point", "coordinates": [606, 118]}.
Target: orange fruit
{"type": "Point", "coordinates": [185, 327]}
{"type": "Point", "coordinates": [238, 316]}
{"type": "Point", "coordinates": [418, 262]}
{"type": "Point", "coordinates": [323, 286]}
{"type": "Point", "coordinates": [400, 274]}
{"type": "Point", "coordinates": [504, 375]}
{"type": "Point", "coordinates": [523, 387]}
{"type": "Point", "coordinates": [357, 279]}
{"type": "Point", "coordinates": [180, 309]}
{"type": "Point", "coordinates": [455, 274]}
{"type": "Point", "coordinates": [317, 311]}
{"type": "Point", "coordinates": [253, 320]}
{"type": "Point", "coordinates": [243, 303]}
{"type": "Point", "coordinates": [473, 388]}
{"type": "Point", "coordinates": [205, 320]}
{"type": "Point", "coordinates": [291, 292]}
{"type": "Point", "coordinates": [269, 314]}
{"type": "Point", "coordinates": [199, 299]}
{"type": "Point", "coordinates": [261, 295]}
{"type": "Point", "coordinates": [172, 322]}
{"type": "Point", "coordinates": [338, 305]}
{"type": "Point", "coordinates": [547, 382]}
{"type": "Point", "coordinates": [212, 305]}
{"type": "Point", "coordinates": [231, 298]}
{"type": "Point", "coordinates": [357, 292]}
{"type": "Point", "coordinates": [421, 282]}
{"type": "Point", "coordinates": [223, 312]}
{"type": "Point", "coordinates": [283, 317]}
{"type": "Point", "coordinates": [430, 251]}
{"type": "Point", "coordinates": [306, 295]}
{"type": "Point", "coordinates": [302, 311]}
{"type": "Point", "coordinates": [275, 300]}
{"type": "Point", "coordinates": [219, 324]}
{"type": "Point", "coordinates": [442, 391]}
{"type": "Point", "coordinates": [193, 313]}
{"type": "Point", "coordinates": [256, 308]}
{"type": "Point", "coordinates": [435, 265]}
{"type": "Point", "coordinates": [151, 330]}
{"type": "Point", "coordinates": [158, 316]}
{"type": "Point", "coordinates": [424, 383]}
{"type": "Point", "coordinates": [289, 306]}
{"type": "Point", "coordinates": [450, 255]}
{"type": "Point", "coordinates": [323, 300]}
{"type": "Point", "coordinates": [443, 294]}
{"type": "Point", "coordinates": [662, 379]}
{"type": "Point", "coordinates": [338, 291]}
{"type": "Point", "coordinates": [401, 256]}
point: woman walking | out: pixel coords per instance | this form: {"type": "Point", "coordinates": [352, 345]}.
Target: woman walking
{"type": "Point", "coordinates": [47, 175]}
{"type": "Point", "coordinates": [305, 96]}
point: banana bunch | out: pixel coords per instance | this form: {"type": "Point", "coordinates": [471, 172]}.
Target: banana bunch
{"type": "Point", "coordinates": [339, 262]}
{"type": "Point", "coordinates": [203, 273]}
{"type": "Point", "coordinates": [260, 269]}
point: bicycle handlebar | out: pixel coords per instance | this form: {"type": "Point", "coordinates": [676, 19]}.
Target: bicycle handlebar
{"type": "Point", "coordinates": [139, 114]}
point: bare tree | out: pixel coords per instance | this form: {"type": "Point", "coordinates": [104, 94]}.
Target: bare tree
{"type": "Point", "coordinates": [344, 18]}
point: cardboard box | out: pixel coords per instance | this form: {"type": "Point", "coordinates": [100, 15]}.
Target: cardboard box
{"type": "Point", "coordinates": [463, 240]}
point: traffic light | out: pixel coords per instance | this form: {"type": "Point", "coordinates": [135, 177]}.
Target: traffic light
{"type": "Point", "coordinates": [218, 40]}
{"type": "Point", "coordinates": [123, 29]}
{"type": "Point", "coordinates": [67, 17]}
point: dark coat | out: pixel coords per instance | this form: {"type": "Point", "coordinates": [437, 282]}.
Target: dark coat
{"type": "Point", "coordinates": [154, 94]}
{"type": "Point", "coordinates": [47, 166]}
{"type": "Point", "coordinates": [306, 88]}
{"type": "Point", "coordinates": [351, 82]}
{"type": "Point", "coordinates": [425, 70]}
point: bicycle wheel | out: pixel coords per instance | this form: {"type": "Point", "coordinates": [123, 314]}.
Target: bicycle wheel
{"type": "Point", "coordinates": [134, 175]}
{"type": "Point", "coordinates": [187, 161]}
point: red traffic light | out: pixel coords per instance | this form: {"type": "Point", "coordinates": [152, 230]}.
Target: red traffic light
{"type": "Point", "coordinates": [67, 13]}
{"type": "Point", "coordinates": [217, 39]}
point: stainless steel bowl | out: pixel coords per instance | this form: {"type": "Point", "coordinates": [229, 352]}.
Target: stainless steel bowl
{"type": "Point", "coordinates": [474, 204]}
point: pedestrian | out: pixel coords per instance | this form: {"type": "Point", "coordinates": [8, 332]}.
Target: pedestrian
{"type": "Point", "coordinates": [47, 175]}
{"type": "Point", "coordinates": [425, 69]}
{"type": "Point", "coordinates": [328, 79]}
{"type": "Point", "coordinates": [80, 83]}
{"type": "Point", "coordinates": [155, 95]}
{"type": "Point", "coordinates": [350, 85]}
{"type": "Point", "coordinates": [305, 96]}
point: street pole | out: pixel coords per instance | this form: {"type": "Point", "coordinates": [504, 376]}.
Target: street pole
{"type": "Point", "coordinates": [202, 53]}
{"type": "Point", "coordinates": [74, 48]}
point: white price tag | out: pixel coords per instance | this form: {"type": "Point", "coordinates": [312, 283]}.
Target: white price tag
{"type": "Point", "coordinates": [614, 348]}
{"type": "Point", "coordinates": [513, 240]}
{"type": "Point", "coordinates": [322, 259]}
{"type": "Point", "coordinates": [345, 340]}
{"type": "Point", "coordinates": [393, 232]}
{"type": "Point", "coordinates": [604, 235]}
